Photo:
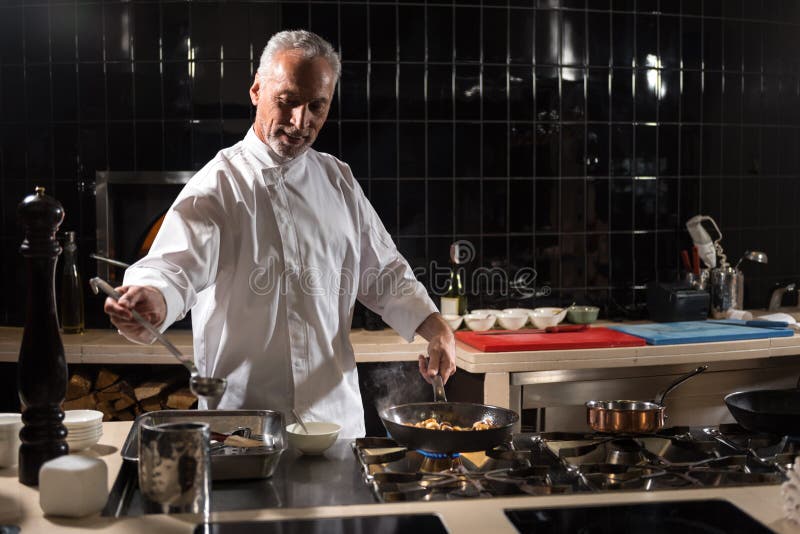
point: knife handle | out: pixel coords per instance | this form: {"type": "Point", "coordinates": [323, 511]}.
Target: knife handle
{"type": "Point", "coordinates": [566, 328]}
{"type": "Point", "coordinates": [766, 324]}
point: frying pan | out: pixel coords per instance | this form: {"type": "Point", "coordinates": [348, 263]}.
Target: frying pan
{"type": "Point", "coordinates": [397, 420]}
{"type": "Point", "coordinates": [774, 411]}
{"type": "Point", "coordinates": [632, 417]}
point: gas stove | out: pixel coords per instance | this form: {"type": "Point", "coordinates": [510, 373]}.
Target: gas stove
{"type": "Point", "coordinates": [556, 462]}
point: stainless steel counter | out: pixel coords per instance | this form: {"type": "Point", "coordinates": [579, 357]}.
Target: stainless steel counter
{"type": "Point", "coordinates": [300, 481]}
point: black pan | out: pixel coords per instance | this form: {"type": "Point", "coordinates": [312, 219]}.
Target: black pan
{"type": "Point", "coordinates": [398, 419]}
{"type": "Point", "coordinates": [774, 411]}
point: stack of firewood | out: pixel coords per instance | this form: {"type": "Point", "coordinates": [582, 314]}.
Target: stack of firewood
{"type": "Point", "coordinates": [122, 399]}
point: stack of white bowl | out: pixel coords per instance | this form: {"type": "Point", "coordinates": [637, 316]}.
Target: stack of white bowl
{"type": "Point", "coordinates": [10, 425]}
{"type": "Point", "coordinates": [84, 428]}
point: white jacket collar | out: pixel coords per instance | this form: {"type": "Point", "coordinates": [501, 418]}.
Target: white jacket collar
{"type": "Point", "coordinates": [264, 154]}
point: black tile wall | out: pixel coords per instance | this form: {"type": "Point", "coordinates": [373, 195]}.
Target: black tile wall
{"type": "Point", "coordinates": [572, 137]}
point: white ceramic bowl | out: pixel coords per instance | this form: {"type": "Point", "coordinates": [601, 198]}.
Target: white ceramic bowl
{"type": "Point", "coordinates": [319, 438]}
{"type": "Point", "coordinates": [453, 320]}
{"type": "Point", "coordinates": [80, 419]}
{"type": "Point", "coordinates": [480, 321]}
{"type": "Point", "coordinates": [80, 434]}
{"type": "Point", "coordinates": [525, 311]}
{"type": "Point", "coordinates": [10, 425]}
{"type": "Point", "coordinates": [512, 320]}
{"type": "Point", "coordinates": [80, 444]}
{"type": "Point", "coordinates": [485, 311]}
{"type": "Point", "coordinates": [544, 317]}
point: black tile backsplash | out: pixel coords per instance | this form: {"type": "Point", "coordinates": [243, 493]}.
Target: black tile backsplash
{"type": "Point", "coordinates": [568, 136]}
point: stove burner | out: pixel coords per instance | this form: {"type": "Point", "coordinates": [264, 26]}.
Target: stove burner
{"type": "Point", "coordinates": [559, 462]}
{"type": "Point", "coordinates": [624, 451]}
{"type": "Point", "coordinates": [438, 455]}
{"type": "Point", "coordinates": [437, 462]}
{"type": "Point", "coordinates": [611, 476]}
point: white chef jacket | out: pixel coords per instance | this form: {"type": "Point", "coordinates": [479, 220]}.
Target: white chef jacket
{"type": "Point", "coordinates": [269, 257]}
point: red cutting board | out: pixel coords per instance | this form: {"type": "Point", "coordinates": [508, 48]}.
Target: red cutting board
{"type": "Point", "coordinates": [593, 338]}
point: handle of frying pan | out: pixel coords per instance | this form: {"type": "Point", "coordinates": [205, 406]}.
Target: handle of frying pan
{"type": "Point", "coordinates": [680, 381]}
{"type": "Point", "coordinates": [438, 390]}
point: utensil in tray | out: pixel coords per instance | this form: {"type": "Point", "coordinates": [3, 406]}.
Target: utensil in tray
{"type": "Point", "coordinates": [227, 463]}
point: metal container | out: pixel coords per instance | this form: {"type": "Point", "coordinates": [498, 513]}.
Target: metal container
{"type": "Point", "coordinates": [227, 463]}
{"type": "Point", "coordinates": [174, 472]}
{"type": "Point", "coordinates": [698, 281]}
{"type": "Point", "coordinates": [727, 291]}
{"type": "Point", "coordinates": [625, 416]}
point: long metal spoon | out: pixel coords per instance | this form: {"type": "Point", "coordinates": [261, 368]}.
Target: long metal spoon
{"type": "Point", "coordinates": [202, 386]}
{"type": "Point", "coordinates": [115, 263]}
{"type": "Point", "coordinates": [752, 255]}
{"type": "Point", "coordinates": [300, 420]}
{"type": "Point", "coordinates": [559, 310]}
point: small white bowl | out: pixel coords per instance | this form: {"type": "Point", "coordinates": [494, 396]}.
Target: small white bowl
{"type": "Point", "coordinates": [512, 320]}
{"type": "Point", "coordinates": [485, 311]}
{"type": "Point", "coordinates": [453, 320]}
{"type": "Point", "coordinates": [544, 317]}
{"type": "Point", "coordinates": [526, 311]}
{"type": "Point", "coordinates": [480, 321]}
{"type": "Point", "coordinates": [79, 419]}
{"type": "Point", "coordinates": [319, 438]}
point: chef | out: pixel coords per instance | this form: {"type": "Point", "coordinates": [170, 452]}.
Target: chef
{"type": "Point", "coordinates": [269, 245]}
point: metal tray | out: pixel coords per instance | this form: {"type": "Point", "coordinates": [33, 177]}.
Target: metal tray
{"type": "Point", "coordinates": [227, 463]}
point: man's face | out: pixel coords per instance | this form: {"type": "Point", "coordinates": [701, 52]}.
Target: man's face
{"type": "Point", "coordinates": [292, 100]}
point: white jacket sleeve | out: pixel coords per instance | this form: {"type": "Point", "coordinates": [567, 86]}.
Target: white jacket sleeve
{"type": "Point", "coordinates": [387, 284]}
{"type": "Point", "coordinates": [184, 257]}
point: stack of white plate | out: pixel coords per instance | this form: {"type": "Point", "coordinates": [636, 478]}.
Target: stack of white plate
{"type": "Point", "coordinates": [84, 428]}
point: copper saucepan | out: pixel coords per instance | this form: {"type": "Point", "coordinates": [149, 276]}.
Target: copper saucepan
{"type": "Point", "coordinates": [632, 417]}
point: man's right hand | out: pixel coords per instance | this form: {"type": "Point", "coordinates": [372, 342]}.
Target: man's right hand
{"type": "Point", "coordinates": [146, 300]}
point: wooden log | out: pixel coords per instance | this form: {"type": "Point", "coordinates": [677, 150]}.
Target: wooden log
{"type": "Point", "coordinates": [123, 403]}
{"type": "Point", "coordinates": [124, 415]}
{"type": "Point", "coordinates": [151, 404]}
{"type": "Point", "coordinates": [86, 402]}
{"type": "Point", "coordinates": [152, 388]}
{"type": "Point", "coordinates": [110, 394]}
{"type": "Point", "coordinates": [182, 399]}
{"type": "Point", "coordinates": [121, 395]}
{"type": "Point", "coordinates": [105, 378]}
{"type": "Point", "coordinates": [107, 408]}
{"type": "Point", "coordinates": [79, 385]}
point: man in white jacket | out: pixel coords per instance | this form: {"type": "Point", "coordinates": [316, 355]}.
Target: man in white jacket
{"type": "Point", "coordinates": [269, 245]}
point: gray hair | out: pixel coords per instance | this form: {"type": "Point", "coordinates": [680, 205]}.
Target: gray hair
{"type": "Point", "coordinates": [310, 43]}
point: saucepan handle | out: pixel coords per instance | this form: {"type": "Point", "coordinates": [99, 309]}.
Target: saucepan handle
{"type": "Point", "coordinates": [680, 381]}
{"type": "Point", "coordinates": [438, 389]}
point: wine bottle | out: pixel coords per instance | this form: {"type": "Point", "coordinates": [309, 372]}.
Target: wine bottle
{"type": "Point", "coordinates": [454, 300]}
{"type": "Point", "coordinates": [72, 321]}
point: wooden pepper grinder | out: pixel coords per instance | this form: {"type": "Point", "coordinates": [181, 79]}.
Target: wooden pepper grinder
{"type": "Point", "coordinates": [42, 368]}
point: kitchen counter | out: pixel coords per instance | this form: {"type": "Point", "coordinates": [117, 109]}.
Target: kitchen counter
{"type": "Point", "coordinates": [109, 347]}
{"type": "Point", "coordinates": [499, 368]}
{"type": "Point", "coordinates": [19, 505]}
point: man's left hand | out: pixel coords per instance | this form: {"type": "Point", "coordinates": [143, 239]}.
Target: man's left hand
{"type": "Point", "coordinates": [441, 358]}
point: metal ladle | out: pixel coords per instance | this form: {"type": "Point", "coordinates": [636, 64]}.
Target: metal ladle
{"type": "Point", "coordinates": [202, 386]}
{"type": "Point", "coordinates": [752, 255]}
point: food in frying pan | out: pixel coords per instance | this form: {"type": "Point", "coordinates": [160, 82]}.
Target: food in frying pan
{"type": "Point", "coordinates": [435, 424]}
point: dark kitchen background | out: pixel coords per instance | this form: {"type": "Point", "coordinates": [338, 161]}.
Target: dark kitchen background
{"type": "Point", "coordinates": [568, 136]}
